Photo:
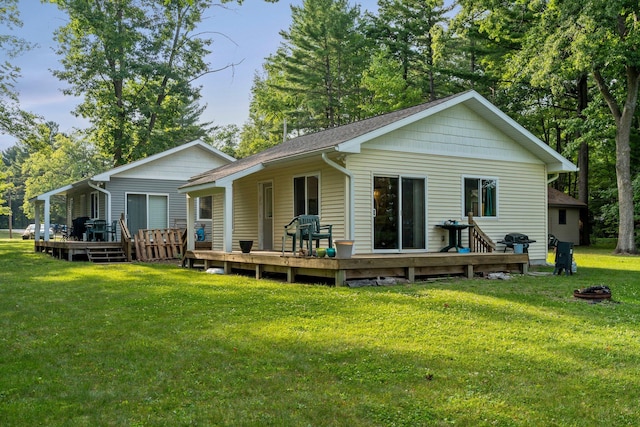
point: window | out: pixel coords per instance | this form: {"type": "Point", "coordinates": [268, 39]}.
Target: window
{"type": "Point", "coordinates": [306, 195]}
{"type": "Point", "coordinates": [481, 196]}
{"type": "Point", "coordinates": [205, 207]}
{"type": "Point", "coordinates": [562, 216]}
{"type": "Point", "coordinates": [95, 205]}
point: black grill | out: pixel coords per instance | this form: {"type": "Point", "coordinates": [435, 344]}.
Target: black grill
{"type": "Point", "coordinates": [516, 238]}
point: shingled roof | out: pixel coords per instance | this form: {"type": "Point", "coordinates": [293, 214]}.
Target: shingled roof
{"type": "Point", "coordinates": [325, 140]}
{"type": "Point", "coordinates": [336, 138]}
{"type": "Point", "coordinates": [560, 199]}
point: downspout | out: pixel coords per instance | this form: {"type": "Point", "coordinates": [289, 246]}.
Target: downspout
{"type": "Point", "coordinates": [108, 194]}
{"type": "Point", "coordinates": [350, 208]}
{"type": "Point", "coordinates": [553, 178]}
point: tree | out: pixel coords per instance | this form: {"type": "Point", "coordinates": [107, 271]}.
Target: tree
{"type": "Point", "coordinates": [601, 39]}
{"type": "Point", "coordinates": [13, 120]}
{"type": "Point", "coordinates": [133, 63]}
{"type": "Point", "coordinates": [60, 160]}
{"type": "Point", "coordinates": [313, 80]}
{"type": "Point", "coordinates": [410, 32]}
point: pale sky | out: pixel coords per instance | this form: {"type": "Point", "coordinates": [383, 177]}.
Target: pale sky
{"type": "Point", "coordinates": [248, 34]}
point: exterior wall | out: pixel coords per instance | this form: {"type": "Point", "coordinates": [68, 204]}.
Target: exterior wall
{"type": "Point", "coordinates": [246, 200]}
{"type": "Point", "coordinates": [445, 148]}
{"type": "Point", "coordinates": [569, 232]}
{"type": "Point", "coordinates": [179, 166]}
{"type": "Point", "coordinates": [119, 187]}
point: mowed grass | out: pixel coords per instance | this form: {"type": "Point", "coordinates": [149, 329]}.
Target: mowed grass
{"type": "Point", "coordinates": [155, 345]}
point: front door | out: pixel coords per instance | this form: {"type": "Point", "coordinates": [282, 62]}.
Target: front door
{"type": "Point", "coordinates": [399, 213]}
{"type": "Point", "coordinates": [266, 216]}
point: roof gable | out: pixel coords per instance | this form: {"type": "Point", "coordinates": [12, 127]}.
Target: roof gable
{"type": "Point", "coordinates": [177, 163]}
{"type": "Point", "coordinates": [349, 138]}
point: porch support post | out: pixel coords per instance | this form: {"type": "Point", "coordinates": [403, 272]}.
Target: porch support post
{"type": "Point", "coordinates": [228, 218]}
{"type": "Point", "coordinates": [36, 220]}
{"type": "Point", "coordinates": [191, 215]}
{"type": "Point", "coordinates": [47, 219]}
{"type": "Point", "coordinates": [350, 199]}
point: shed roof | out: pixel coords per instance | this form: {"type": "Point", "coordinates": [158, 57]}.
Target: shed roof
{"type": "Point", "coordinates": [557, 198]}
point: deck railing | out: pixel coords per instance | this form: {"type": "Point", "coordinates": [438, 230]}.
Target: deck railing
{"type": "Point", "coordinates": [478, 239]}
{"type": "Point", "coordinates": [125, 237]}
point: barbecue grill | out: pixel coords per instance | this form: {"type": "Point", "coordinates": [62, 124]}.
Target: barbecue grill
{"type": "Point", "coordinates": [516, 238]}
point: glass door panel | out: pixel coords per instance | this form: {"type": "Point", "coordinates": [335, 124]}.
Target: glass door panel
{"type": "Point", "coordinates": [386, 209]}
{"type": "Point", "coordinates": [413, 213]}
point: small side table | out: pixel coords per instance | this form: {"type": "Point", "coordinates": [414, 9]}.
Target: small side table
{"type": "Point", "coordinates": [455, 235]}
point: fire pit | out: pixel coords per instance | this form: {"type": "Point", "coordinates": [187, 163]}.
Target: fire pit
{"type": "Point", "coordinates": [597, 293]}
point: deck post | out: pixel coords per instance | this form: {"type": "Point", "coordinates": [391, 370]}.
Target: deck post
{"type": "Point", "coordinates": [291, 275]}
{"type": "Point", "coordinates": [340, 278]}
{"type": "Point", "coordinates": [469, 271]}
{"type": "Point", "coordinates": [227, 267]}
{"type": "Point", "coordinates": [410, 274]}
{"type": "Point", "coordinates": [259, 269]}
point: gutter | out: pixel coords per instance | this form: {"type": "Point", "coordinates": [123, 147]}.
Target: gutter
{"type": "Point", "coordinates": [350, 208]}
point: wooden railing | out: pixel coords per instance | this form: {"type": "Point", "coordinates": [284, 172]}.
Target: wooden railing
{"type": "Point", "coordinates": [125, 237]}
{"type": "Point", "coordinates": [478, 240]}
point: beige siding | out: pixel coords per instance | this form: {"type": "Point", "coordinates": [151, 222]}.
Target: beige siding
{"type": "Point", "coordinates": [245, 209]}
{"type": "Point", "coordinates": [457, 131]}
{"type": "Point", "coordinates": [218, 223]}
{"type": "Point", "coordinates": [521, 194]}
{"type": "Point", "coordinates": [569, 232]}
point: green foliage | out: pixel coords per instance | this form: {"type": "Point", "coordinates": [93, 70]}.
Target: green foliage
{"type": "Point", "coordinates": [313, 80]}
{"type": "Point", "coordinates": [13, 120]}
{"type": "Point", "coordinates": [62, 161]}
{"type": "Point", "coordinates": [133, 64]}
{"type": "Point", "coordinates": [147, 344]}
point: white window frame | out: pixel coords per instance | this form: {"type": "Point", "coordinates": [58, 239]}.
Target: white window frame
{"type": "Point", "coordinates": [306, 192]}
{"type": "Point", "coordinates": [199, 218]}
{"type": "Point", "coordinates": [480, 180]}
{"type": "Point", "coordinates": [147, 204]}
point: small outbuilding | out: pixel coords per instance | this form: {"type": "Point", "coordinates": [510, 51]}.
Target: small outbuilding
{"type": "Point", "coordinates": [564, 216]}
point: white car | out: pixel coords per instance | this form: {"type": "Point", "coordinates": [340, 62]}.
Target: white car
{"type": "Point", "coordinates": [30, 232]}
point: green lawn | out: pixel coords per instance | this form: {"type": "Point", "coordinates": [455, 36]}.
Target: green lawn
{"type": "Point", "coordinates": [155, 345]}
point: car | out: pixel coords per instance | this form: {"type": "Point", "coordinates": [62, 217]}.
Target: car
{"type": "Point", "coordinates": [30, 232]}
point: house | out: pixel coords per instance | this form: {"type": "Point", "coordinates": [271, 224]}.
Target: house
{"type": "Point", "coordinates": [387, 182]}
{"type": "Point", "coordinates": [564, 216]}
{"type": "Point", "coordinates": [144, 190]}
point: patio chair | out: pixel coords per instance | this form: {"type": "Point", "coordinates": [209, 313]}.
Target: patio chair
{"type": "Point", "coordinates": [98, 231]}
{"type": "Point", "coordinates": [306, 227]}
{"type": "Point", "coordinates": [112, 230]}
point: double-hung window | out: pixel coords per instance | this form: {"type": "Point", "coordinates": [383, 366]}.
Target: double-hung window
{"type": "Point", "coordinates": [205, 207]}
{"type": "Point", "coordinates": [481, 197]}
{"type": "Point", "coordinates": [306, 195]}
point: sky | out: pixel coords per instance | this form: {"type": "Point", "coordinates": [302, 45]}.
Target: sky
{"type": "Point", "coordinates": [245, 35]}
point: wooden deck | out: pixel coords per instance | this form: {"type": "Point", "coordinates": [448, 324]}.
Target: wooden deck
{"type": "Point", "coordinates": [366, 266]}
{"type": "Point", "coordinates": [68, 249]}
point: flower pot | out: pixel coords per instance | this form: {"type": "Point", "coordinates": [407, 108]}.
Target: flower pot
{"type": "Point", "coordinates": [245, 246]}
{"type": "Point", "coordinates": [331, 252]}
{"type": "Point", "coordinates": [344, 248]}
{"type": "Point", "coordinates": [321, 252]}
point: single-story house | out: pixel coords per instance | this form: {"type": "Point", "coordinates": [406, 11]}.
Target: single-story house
{"type": "Point", "coordinates": [146, 191]}
{"type": "Point", "coordinates": [564, 216]}
{"type": "Point", "coordinates": [387, 182]}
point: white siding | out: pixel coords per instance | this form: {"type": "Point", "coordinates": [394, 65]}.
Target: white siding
{"type": "Point", "coordinates": [179, 166]}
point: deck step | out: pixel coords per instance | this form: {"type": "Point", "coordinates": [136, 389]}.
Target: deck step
{"type": "Point", "coordinates": [105, 255]}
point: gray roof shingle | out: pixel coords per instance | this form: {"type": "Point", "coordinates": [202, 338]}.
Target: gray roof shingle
{"type": "Point", "coordinates": [317, 141]}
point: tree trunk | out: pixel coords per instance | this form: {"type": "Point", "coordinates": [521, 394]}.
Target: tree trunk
{"type": "Point", "coordinates": [583, 164]}
{"type": "Point", "coordinates": [624, 119]}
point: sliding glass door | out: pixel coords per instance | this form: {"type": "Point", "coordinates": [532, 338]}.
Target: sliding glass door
{"type": "Point", "coordinates": [399, 213]}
